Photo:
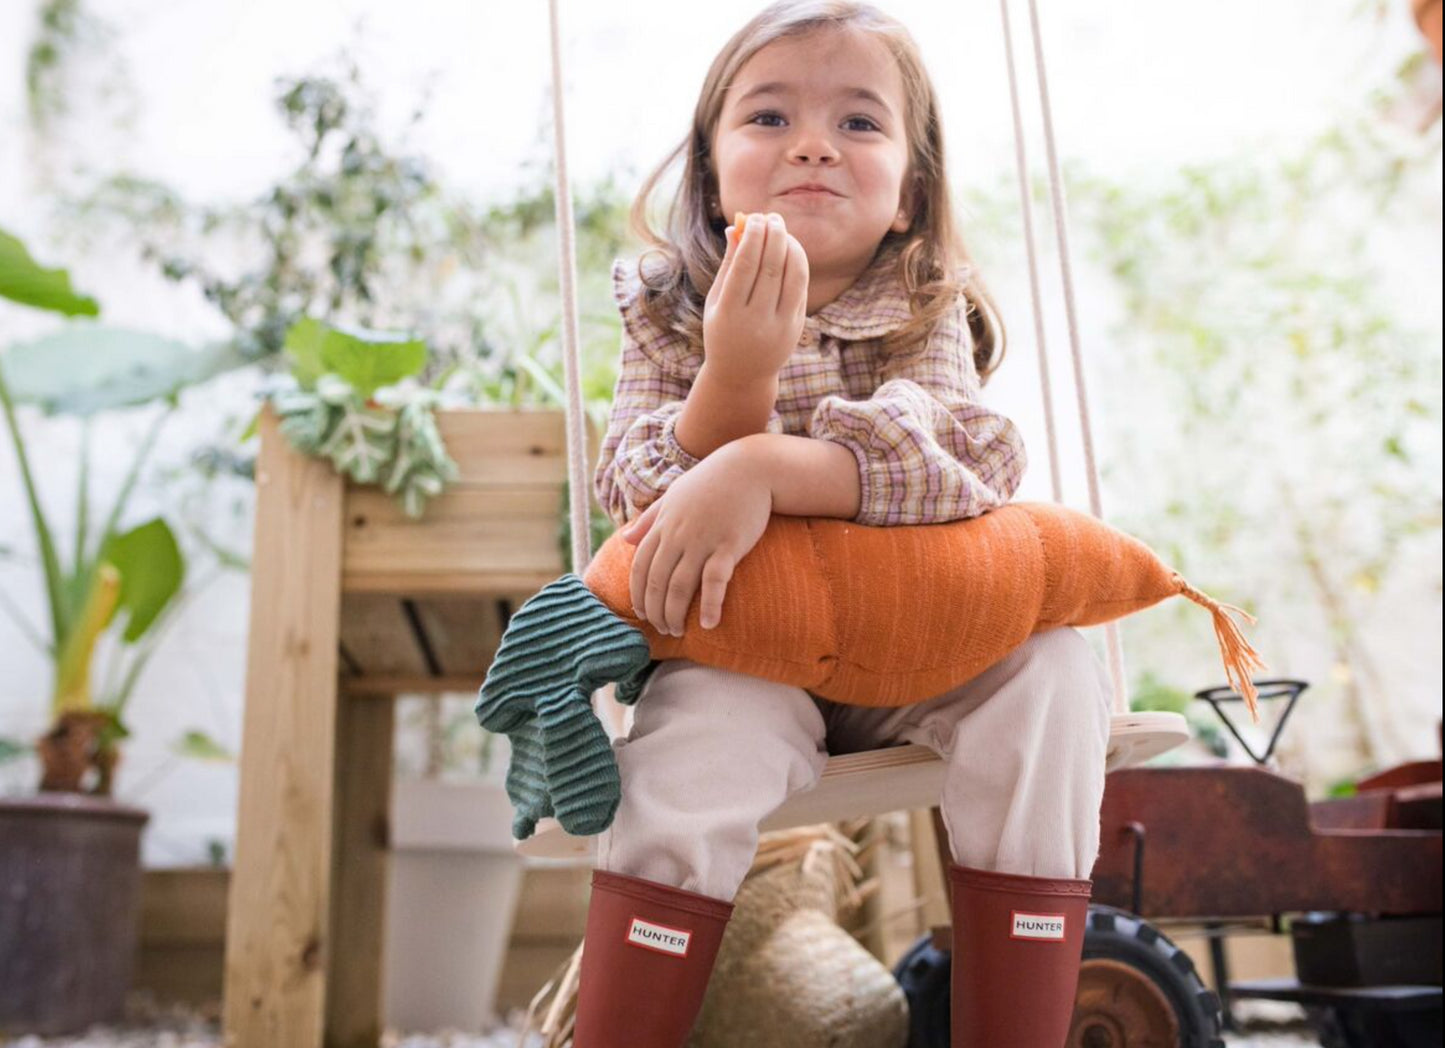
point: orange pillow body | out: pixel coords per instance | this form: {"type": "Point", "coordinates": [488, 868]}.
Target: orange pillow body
{"type": "Point", "coordinates": [891, 616]}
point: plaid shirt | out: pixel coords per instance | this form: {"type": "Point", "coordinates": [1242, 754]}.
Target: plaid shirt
{"type": "Point", "coordinates": [928, 451]}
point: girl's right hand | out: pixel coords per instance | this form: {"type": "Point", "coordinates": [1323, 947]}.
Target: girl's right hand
{"type": "Point", "coordinates": [754, 313]}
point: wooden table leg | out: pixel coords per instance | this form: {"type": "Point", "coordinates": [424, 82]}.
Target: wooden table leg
{"type": "Point", "coordinates": [278, 913]}
{"type": "Point", "coordinates": [360, 863]}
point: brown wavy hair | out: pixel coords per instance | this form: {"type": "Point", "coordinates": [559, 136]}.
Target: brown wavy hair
{"type": "Point", "coordinates": [680, 262]}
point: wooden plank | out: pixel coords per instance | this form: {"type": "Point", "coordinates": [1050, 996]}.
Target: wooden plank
{"type": "Point", "coordinates": [552, 905]}
{"type": "Point", "coordinates": [276, 950]}
{"type": "Point", "coordinates": [184, 906]}
{"type": "Point", "coordinates": [527, 968]}
{"type": "Point", "coordinates": [415, 585]}
{"type": "Point", "coordinates": [512, 448]}
{"type": "Point", "coordinates": [358, 874]}
{"type": "Point", "coordinates": [463, 633]}
{"type": "Point", "coordinates": [387, 686]}
{"type": "Point", "coordinates": [507, 448]}
{"type": "Point", "coordinates": [899, 923]}
{"type": "Point", "coordinates": [928, 875]}
{"type": "Point", "coordinates": [378, 636]}
{"type": "Point", "coordinates": [177, 973]}
{"type": "Point", "coordinates": [551, 915]}
{"type": "Point", "coordinates": [469, 533]}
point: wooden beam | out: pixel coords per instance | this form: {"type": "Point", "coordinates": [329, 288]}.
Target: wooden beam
{"type": "Point", "coordinates": [378, 636]}
{"type": "Point", "coordinates": [359, 874]}
{"type": "Point", "coordinates": [479, 532]}
{"type": "Point", "coordinates": [390, 686]}
{"type": "Point", "coordinates": [277, 922]}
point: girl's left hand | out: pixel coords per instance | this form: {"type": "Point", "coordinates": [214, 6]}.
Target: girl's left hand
{"type": "Point", "coordinates": [708, 520]}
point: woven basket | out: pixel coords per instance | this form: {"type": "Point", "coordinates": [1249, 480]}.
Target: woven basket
{"type": "Point", "coordinates": [787, 976]}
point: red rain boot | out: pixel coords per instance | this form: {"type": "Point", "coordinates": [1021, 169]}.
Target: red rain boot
{"type": "Point", "coordinates": [646, 961]}
{"type": "Point", "coordinates": [1017, 942]}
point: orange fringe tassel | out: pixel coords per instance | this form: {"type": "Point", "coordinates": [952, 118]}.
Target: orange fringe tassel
{"type": "Point", "coordinates": [1239, 657]}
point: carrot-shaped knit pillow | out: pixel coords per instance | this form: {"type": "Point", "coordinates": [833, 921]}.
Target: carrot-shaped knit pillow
{"type": "Point", "coordinates": [891, 616]}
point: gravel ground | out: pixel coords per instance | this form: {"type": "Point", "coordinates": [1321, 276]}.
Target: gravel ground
{"type": "Point", "coordinates": [1266, 1026]}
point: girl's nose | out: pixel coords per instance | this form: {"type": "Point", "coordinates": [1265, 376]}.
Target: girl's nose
{"type": "Point", "coordinates": [810, 145]}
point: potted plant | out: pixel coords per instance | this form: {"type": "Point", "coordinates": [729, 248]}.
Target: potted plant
{"type": "Point", "coordinates": [69, 856]}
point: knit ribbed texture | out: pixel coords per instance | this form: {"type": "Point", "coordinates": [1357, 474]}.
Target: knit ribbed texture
{"type": "Point", "coordinates": [560, 647]}
{"type": "Point", "coordinates": [893, 616]}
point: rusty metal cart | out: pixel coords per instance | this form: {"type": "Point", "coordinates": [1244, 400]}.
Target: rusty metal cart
{"type": "Point", "coordinates": [1354, 881]}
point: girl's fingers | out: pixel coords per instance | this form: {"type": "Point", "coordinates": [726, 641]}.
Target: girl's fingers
{"type": "Point", "coordinates": [774, 260]}
{"type": "Point", "coordinates": [638, 529]}
{"type": "Point", "coordinates": [716, 575]}
{"type": "Point", "coordinates": [730, 252]}
{"type": "Point", "coordinates": [681, 588]}
{"type": "Point", "coordinates": [659, 577]}
{"type": "Point", "coordinates": [641, 566]}
{"type": "Point", "coordinates": [794, 290]}
{"type": "Point", "coordinates": [744, 270]}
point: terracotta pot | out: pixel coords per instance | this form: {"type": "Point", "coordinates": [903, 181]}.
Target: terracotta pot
{"type": "Point", "coordinates": [1427, 16]}
{"type": "Point", "coordinates": [69, 907]}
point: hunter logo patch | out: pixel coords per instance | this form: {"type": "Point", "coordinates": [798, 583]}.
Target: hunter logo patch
{"type": "Point", "coordinates": [1046, 927]}
{"type": "Point", "coordinates": [658, 937]}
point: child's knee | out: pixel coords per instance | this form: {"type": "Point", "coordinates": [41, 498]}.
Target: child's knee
{"type": "Point", "coordinates": [727, 709]}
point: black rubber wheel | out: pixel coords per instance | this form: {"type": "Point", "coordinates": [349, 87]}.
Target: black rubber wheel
{"type": "Point", "coordinates": [924, 974]}
{"type": "Point", "coordinates": [1136, 990]}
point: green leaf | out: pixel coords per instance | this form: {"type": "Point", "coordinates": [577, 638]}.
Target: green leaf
{"type": "Point", "coordinates": [252, 428]}
{"type": "Point", "coordinates": [23, 280]}
{"type": "Point", "coordinates": [85, 368]}
{"type": "Point", "coordinates": [366, 360]}
{"type": "Point", "coordinates": [151, 571]}
{"type": "Point", "coordinates": [303, 346]}
{"type": "Point", "coordinates": [197, 745]}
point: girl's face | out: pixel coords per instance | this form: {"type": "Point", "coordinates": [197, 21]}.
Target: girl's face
{"type": "Point", "coordinates": [813, 128]}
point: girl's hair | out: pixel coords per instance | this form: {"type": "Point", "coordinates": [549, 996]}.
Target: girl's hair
{"type": "Point", "coordinates": [933, 262]}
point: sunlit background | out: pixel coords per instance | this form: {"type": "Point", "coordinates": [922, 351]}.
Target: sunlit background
{"type": "Point", "coordinates": [1255, 194]}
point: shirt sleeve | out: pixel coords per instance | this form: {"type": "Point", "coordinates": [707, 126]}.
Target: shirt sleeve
{"type": "Point", "coordinates": [640, 456]}
{"type": "Point", "coordinates": [928, 450]}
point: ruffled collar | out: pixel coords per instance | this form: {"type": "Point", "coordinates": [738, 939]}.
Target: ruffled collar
{"type": "Point", "coordinates": [874, 305]}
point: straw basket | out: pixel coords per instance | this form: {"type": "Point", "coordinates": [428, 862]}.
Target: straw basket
{"type": "Point", "coordinates": [787, 976]}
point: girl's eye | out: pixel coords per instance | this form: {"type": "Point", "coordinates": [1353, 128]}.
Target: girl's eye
{"type": "Point", "coordinates": [852, 123]}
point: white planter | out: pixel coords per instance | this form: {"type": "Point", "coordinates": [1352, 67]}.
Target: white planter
{"type": "Point", "coordinates": [450, 903]}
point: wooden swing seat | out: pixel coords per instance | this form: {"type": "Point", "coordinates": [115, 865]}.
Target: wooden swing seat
{"type": "Point", "coordinates": [896, 778]}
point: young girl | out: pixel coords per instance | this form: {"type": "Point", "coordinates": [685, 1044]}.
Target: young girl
{"type": "Point", "coordinates": [827, 364]}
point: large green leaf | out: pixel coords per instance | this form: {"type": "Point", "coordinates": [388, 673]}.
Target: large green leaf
{"type": "Point", "coordinates": [23, 280]}
{"type": "Point", "coordinates": [366, 359]}
{"type": "Point", "coordinates": [303, 346]}
{"type": "Point", "coordinates": [85, 368]}
{"type": "Point", "coordinates": [151, 571]}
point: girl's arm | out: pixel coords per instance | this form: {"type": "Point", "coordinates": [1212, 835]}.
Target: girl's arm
{"type": "Point", "coordinates": [807, 477]}
{"type": "Point", "coordinates": [928, 450]}
{"type": "Point", "coordinates": [718, 412]}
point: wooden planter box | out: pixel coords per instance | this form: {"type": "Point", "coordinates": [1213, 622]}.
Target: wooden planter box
{"type": "Point", "coordinates": [352, 604]}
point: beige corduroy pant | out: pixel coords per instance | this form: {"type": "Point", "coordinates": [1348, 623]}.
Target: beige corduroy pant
{"type": "Point", "coordinates": [711, 753]}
